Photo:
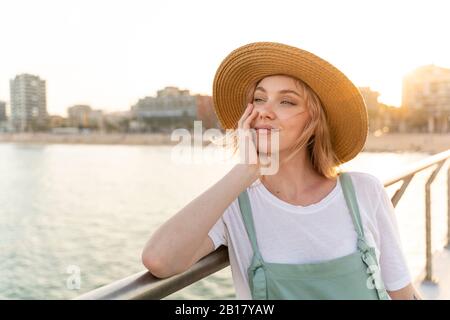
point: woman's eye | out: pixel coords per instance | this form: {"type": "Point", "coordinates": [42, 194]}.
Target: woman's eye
{"type": "Point", "coordinates": [282, 102]}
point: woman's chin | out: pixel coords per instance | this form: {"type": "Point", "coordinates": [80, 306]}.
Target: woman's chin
{"type": "Point", "coordinates": [266, 150]}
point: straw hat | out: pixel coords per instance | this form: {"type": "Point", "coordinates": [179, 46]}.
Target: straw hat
{"type": "Point", "coordinates": [344, 106]}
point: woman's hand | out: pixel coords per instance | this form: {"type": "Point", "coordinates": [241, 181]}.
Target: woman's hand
{"type": "Point", "coordinates": [407, 293]}
{"type": "Point", "coordinates": [247, 148]}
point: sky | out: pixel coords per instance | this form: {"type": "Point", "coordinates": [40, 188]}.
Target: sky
{"type": "Point", "coordinates": [109, 54]}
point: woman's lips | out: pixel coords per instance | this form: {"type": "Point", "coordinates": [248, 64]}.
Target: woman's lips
{"type": "Point", "coordinates": [266, 130]}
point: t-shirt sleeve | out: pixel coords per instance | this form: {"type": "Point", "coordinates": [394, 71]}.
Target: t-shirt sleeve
{"type": "Point", "coordinates": [393, 264]}
{"type": "Point", "coordinates": [218, 233]}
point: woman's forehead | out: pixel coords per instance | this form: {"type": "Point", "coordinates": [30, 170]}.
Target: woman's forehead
{"type": "Point", "coordinates": [278, 85]}
{"type": "Point", "coordinates": [278, 82]}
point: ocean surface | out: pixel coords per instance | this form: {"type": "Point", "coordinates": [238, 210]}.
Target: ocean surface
{"type": "Point", "coordinates": [76, 217]}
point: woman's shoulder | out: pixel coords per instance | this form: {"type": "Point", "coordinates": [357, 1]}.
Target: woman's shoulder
{"type": "Point", "coordinates": [365, 180]}
{"type": "Point", "coordinates": [370, 190]}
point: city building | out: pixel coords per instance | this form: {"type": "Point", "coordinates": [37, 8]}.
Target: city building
{"type": "Point", "coordinates": [376, 121]}
{"type": "Point", "coordinates": [84, 117]}
{"type": "Point", "coordinates": [4, 125]}
{"type": "Point", "coordinates": [2, 111]}
{"type": "Point", "coordinates": [56, 121]}
{"type": "Point", "coordinates": [205, 112]}
{"type": "Point", "coordinates": [426, 90]}
{"type": "Point", "coordinates": [171, 108]}
{"type": "Point", "coordinates": [118, 121]}
{"type": "Point", "coordinates": [370, 98]}
{"type": "Point", "coordinates": [28, 103]}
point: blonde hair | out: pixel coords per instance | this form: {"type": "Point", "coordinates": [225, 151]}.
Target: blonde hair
{"type": "Point", "coordinates": [316, 134]}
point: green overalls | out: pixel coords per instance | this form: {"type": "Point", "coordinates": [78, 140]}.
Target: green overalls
{"type": "Point", "coordinates": [354, 276]}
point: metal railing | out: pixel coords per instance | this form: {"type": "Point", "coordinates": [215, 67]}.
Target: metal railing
{"type": "Point", "coordinates": [144, 285]}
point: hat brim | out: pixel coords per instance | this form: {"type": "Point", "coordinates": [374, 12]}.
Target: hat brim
{"type": "Point", "coordinates": [343, 103]}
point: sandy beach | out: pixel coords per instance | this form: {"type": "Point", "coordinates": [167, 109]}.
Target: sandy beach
{"type": "Point", "coordinates": [394, 142]}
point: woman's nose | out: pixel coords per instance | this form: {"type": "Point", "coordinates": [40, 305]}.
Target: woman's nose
{"type": "Point", "coordinates": [265, 111]}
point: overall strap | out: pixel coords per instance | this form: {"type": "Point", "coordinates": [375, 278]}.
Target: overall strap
{"type": "Point", "coordinates": [368, 253]}
{"type": "Point", "coordinates": [352, 203]}
{"type": "Point", "coordinates": [246, 210]}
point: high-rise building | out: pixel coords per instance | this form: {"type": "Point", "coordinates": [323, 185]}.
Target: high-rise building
{"type": "Point", "coordinates": [428, 89]}
{"type": "Point", "coordinates": [28, 103]}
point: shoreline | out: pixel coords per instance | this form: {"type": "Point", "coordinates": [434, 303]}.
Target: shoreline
{"type": "Point", "coordinates": [389, 142]}
{"type": "Point", "coordinates": [413, 142]}
{"type": "Point", "coordinates": [88, 138]}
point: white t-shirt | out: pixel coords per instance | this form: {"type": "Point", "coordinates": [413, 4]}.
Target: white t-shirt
{"type": "Point", "coordinates": [318, 232]}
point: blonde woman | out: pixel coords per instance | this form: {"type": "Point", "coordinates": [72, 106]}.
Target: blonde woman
{"type": "Point", "coordinates": [308, 230]}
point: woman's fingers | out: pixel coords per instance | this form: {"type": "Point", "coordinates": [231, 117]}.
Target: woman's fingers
{"type": "Point", "coordinates": [244, 116]}
{"type": "Point", "coordinates": [245, 129]}
{"type": "Point", "coordinates": [246, 140]}
{"type": "Point", "coordinates": [250, 118]}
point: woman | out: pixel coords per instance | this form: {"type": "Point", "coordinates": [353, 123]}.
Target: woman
{"type": "Point", "coordinates": [309, 230]}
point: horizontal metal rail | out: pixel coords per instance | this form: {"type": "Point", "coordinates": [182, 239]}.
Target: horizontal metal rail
{"type": "Point", "coordinates": [144, 285]}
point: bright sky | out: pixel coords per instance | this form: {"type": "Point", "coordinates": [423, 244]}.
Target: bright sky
{"type": "Point", "coordinates": [111, 53]}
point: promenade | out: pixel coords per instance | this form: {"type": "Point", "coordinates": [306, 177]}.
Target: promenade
{"type": "Point", "coordinates": [393, 142]}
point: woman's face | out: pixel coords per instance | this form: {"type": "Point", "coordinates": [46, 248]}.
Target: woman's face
{"type": "Point", "coordinates": [280, 105]}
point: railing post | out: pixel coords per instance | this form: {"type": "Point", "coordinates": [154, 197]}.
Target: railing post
{"type": "Point", "coordinates": [428, 239]}
{"type": "Point", "coordinates": [448, 209]}
{"type": "Point", "coordinates": [428, 258]}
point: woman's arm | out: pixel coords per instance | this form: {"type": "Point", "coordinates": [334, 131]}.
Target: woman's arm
{"type": "Point", "coordinates": [406, 293]}
{"type": "Point", "coordinates": [172, 247]}
{"type": "Point", "coordinates": [183, 238]}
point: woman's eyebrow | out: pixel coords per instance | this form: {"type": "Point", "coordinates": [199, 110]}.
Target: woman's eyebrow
{"type": "Point", "coordinates": [281, 91]}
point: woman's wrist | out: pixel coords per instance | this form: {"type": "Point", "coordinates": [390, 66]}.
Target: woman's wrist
{"type": "Point", "coordinates": [248, 172]}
